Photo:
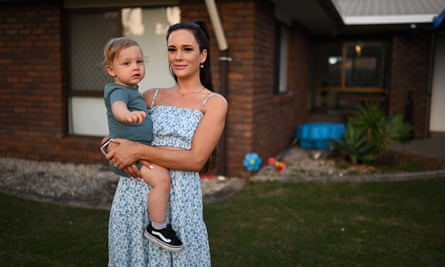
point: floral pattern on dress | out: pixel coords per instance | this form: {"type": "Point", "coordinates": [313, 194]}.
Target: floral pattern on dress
{"type": "Point", "coordinates": [172, 126]}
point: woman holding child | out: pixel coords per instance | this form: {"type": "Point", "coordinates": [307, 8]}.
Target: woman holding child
{"type": "Point", "coordinates": [188, 120]}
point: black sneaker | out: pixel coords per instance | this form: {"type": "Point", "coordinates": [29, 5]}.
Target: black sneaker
{"type": "Point", "coordinates": [165, 237]}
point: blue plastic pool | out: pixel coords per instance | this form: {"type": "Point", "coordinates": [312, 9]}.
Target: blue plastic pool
{"type": "Point", "coordinates": [317, 135]}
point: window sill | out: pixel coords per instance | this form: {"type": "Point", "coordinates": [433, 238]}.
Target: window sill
{"type": "Point", "coordinates": [283, 98]}
{"type": "Point", "coordinates": [352, 89]}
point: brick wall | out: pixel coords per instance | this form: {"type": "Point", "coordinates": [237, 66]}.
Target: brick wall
{"type": "Point", "coordinates": [258, 121]}
{"type": "Point", "coordinates": [410, 65]}
{"type": "Point", "coordinates": [276, 116]}
{"type": "Point", "coordinates": [33, 114]}
{"type": "Point", "coordinates": [34, 100]}
{"type": "Point", "coordinates": [237, 20]}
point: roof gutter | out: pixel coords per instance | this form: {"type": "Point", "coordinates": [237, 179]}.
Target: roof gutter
{"type": "Point", "coordinates": [216, 23]}
{"type": "Point", "coordinates": [224, 60]}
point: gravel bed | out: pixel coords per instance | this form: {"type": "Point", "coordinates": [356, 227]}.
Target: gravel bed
{"type": "Point", "coordinates": [82, 185]}
{"type": "Point", "coordinates": [310, 165]}
{"type": "Point", "coordinates": [93, 186]}
{"type": "Point", "coordinates": [302, 162]}
{"type": "Point", "coordinates": [62, 182]}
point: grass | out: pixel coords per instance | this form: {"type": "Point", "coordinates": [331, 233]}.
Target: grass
{"type": "Point", "coordinates": [266, 224]}
{"type": "Point", "coordinates": [38, 234]}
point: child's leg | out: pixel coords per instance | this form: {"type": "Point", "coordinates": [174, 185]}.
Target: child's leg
{"type": "Point", "coordinates": [158, 231]}
{"type": "Point", "coordinates": [160, 182]}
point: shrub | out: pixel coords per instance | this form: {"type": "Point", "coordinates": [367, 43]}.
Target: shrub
{"type": "Point", "coordinates": [369, 132]}
{"type": "Point", "coordinates": [354, 145]}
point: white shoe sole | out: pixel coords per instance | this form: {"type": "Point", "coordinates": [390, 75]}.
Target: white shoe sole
{"type": "Point", "coordinates": [162, 244]}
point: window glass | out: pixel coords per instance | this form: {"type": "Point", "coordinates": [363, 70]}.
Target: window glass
{"type": "Point", "coordinates": [327, 64]}
{"type": "Point", "coordinates": [148, 26]}
{"type": "Point", "coordinates": [284, 40]}
{"type": "Point", "coordinates": [364, 64]}
{"type": "Point", "coordinates": [281, 44]}
{"type": "Point", "coordinates": [88, 33]}
{"type": "Point", "coordinates": [347, 73]}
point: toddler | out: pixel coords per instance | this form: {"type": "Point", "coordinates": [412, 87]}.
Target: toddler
{"type": "Point", "coordinates": [128, 117]}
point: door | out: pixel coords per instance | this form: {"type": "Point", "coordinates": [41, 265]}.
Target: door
{"type": "Point", "coordinates": [437, 121]}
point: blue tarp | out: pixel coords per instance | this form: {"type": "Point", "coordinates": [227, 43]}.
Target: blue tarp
{"type": "Point", "coordinates": [438, 20]}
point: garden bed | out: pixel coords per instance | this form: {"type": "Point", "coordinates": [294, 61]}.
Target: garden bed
{"type": "Point", "coordinates": [305, 162]}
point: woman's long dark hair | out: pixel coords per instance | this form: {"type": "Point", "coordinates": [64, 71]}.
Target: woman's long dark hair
{"type": "Point", "coordinates": [199, 30]}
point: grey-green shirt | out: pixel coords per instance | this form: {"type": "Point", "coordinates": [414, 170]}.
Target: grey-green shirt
{"type": "Point", "coordinates": [135, 101]}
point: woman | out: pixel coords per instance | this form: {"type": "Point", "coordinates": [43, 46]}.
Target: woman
{"type": "Point", "coordinates": [188, 120]}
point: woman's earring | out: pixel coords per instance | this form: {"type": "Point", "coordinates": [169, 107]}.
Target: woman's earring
{"type": "Point", "coordinates": [201, 66]}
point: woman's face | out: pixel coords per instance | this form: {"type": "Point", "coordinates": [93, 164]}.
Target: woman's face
{"type": "Point", "coordinates": [184, 56]}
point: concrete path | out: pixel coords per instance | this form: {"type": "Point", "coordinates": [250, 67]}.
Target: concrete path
{"type": "Point", "coordinates": [432, 147]}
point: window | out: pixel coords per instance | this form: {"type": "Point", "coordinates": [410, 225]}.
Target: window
{"type": "Point", "coordinates": [346, 72]}
{"type": "Point", "coordinates": [350, 66]}
{"type": "Point", "coordinates": [364, 65]}
{"type": "Point", "coordinates": [88, 33]}
{"type": "Point", "coordinates": [281, 44]}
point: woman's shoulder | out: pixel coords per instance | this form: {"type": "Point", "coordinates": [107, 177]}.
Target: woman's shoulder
{"type": "Point", "coordinates": [216, 101]}
{"type": "Point", "coordinates": [217, 97]}
{"type": "Point", "coordinates": [151, 92]}
{"type": "Point", "coordinates": [157, 90]}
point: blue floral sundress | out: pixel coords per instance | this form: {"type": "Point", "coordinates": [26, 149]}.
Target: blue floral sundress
{"type": "Point", "coordinates": [172, 126]}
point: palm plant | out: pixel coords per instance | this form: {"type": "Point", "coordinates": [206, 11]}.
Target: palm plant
{"type": "Point", "coordinates": [354, 145]}
{"type": "Point", "coordinates": [395, 129]}
{"type": "Point", "coordinates": [381, 129]}
{"type": "Point", "coordinates": [369, 133]}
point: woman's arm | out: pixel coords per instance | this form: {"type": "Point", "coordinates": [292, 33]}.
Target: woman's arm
{"type": "Point", "coordinates": [204, 141]}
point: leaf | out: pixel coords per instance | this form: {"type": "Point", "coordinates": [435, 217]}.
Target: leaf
{"type": "Point", "coordinates": [354, 145]}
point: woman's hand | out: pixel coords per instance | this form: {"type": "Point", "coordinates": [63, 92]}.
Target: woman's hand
{"type": "Point", "coordinates": [121, 153]}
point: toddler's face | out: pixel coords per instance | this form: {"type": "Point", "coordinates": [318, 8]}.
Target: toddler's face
{"type": "Point", "coordinates": [128, 67]}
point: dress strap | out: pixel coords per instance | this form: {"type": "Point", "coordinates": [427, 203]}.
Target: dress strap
{"type": "Point", "coordinates": [206, 99]}
{"type": "Point", "coordinates": [153, 100]}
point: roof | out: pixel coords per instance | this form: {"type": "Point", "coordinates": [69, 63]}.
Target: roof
{"type": "Point", "coordinates": [371, 12]}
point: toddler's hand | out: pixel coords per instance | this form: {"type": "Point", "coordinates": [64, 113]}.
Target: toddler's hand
{"type": "Point", "coordinates": [136, 117]}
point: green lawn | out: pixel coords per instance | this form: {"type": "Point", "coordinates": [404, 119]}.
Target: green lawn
{"type": "Point", "coordinates": [266, 224]}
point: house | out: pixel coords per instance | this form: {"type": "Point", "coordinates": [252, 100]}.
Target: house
{"type": "Point", "coordinates": [280, 63]}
